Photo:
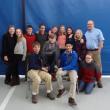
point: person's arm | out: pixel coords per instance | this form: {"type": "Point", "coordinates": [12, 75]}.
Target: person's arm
{"type": "Point", "coordinates": [4, 48]}
{"type": "Point", "coordinates": [101, 40]}
{"type": "Point", "coordinates": [24, 49]}
{"type": "Point", "coordinates": [73, 62]}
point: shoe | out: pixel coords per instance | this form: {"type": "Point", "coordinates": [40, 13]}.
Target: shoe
{"type": "Point", "coordinates": [71, 101]}
{"type": "Point", "coordinates": [99, 84]}
{"type": "Point", "coordinates": [51, 96]}
{"type": "Point", "coordinates": [14, 83]}
{"type": "Point", "coordinates": [60, 92]}
{"type": "Point", "coordinates": [34, 99]}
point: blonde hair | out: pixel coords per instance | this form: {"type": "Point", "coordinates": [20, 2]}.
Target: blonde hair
{"type": "Point", "coordinates": [80, 36]}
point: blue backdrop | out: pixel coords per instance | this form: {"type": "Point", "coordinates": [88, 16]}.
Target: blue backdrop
{"type": "Point", "coordinates": [73, 13]}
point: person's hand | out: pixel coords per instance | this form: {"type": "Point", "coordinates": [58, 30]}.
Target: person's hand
{"type": "Point", "coordinates": [45, 69]}
{"type": "Point", "coordinates": [82, 41]}
{"type": "Point", "coordinates": [5, 58]}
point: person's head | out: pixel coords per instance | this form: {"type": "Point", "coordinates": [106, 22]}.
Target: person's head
{"type": "Point", "coordinates": [54, 29]}
{"type": "Point", "coordinates": [62, 29]}
{"type": "Point", "coordinates": [11, 30]}
{"type": "Point", "coordinates": [69, 30]}
{"type": "Point", "coordinates": [42, 28]}
{"type": "Point", "coordinates": [19, 33]}
{"type": "Point", "coordinates": [89, 58]}
{"type": "Point", "coordinates": [52, 38]}
{"type": "Point", "coordinates": [90, 24]}
{"type": "Point", "coordinates": [36, 47]}
{"type": "Point", "coordinates": [78, 34]}
{"type": "Point", "coordinates": [69, 47]}
{"type": "Point", "coordinates": [29, 29]}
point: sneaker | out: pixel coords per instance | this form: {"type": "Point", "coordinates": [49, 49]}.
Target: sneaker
{"type": "Point", "coordinates": [71, 101]}
{"type": "Point", "coordinates": [51, 96]}
{"type": "Point", "coordinates": [34, 99]}
{"type": "Point", "coordinates": [60, 92]}
{"type": "Point", "coordinates": [99, 84]}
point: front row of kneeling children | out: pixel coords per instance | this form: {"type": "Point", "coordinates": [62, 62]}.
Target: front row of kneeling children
{"type": "Point", "coordinates": [88, 73]}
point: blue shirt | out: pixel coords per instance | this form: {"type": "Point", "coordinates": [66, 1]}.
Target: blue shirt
{"type": "Point", "coordinates": [68, 61]}
{"type": "Point", "coordinates": [93, 37]}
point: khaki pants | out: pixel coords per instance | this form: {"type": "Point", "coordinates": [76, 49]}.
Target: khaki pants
{"type": "Point", "coordinates": [73, 80]}
{"type": "Point", "coordinates": [36, 76]}
{"type": "Point", "coordinates": [97, 58]}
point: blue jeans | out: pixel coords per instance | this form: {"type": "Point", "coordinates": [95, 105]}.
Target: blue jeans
{"type": "Point", "coordinates": [87, 87]}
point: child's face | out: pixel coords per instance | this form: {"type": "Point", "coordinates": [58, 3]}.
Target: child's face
{"type": "Point", "coordinates": [52, 40]}
{"type": "Point", "coordinates": [29, 31]}
{"type": "Point", "coordinates": [11, 30]}
{"type": "Point", "coordinates": [88, 59]}
{"type": "Point", "coordinates": [42, 28]}
{"type": "Point", "coordinates": [54, 29]}
{"type": "Point", "coordinates": [62, 29]}
{"type": "Point", "coordinates": [69, 31]}
{"type": "Point", "coordinates": [18, 32]}
{"type": "Point", "coordinates": [69, 47]}
{"type": "Point", "coordinates": [36, 49]}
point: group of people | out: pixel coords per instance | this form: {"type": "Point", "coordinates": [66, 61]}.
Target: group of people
{"type": "Point", "coordinates": [49, 56]}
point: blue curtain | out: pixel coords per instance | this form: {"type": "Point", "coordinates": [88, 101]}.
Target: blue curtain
{"type": "Point", "coordinates": [73, 13]}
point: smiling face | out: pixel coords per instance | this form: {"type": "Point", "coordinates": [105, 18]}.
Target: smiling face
{"type": "Point", "coordinates": [19, 33]}
{"type": "Point", "coordinates": [90, 25]}
{"type": "Point", "coordinates": [69, 47]}
{"type": "Point", "coordinates": [36, 48]}
{"type": "Point", "coordinates": [11, 30]}
{"type": "Point", "coordinates": [88, 58]}
{"type": "Point", "coordinates": [29, 30]}
{"type": "Point", "coordinates": [69, 31]}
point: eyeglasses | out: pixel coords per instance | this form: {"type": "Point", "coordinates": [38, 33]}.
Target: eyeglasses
{"type": "Point", "coordinates": [88, 58]}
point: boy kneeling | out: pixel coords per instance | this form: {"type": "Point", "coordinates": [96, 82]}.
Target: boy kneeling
{"type": "Point", "coordinates": [37, 73]}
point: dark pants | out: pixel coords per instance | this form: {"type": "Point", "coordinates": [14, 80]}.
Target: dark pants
{"type": "Point", "coordinates": [15, 74]}
{"type": "Point", "coordinates": [50, 62]}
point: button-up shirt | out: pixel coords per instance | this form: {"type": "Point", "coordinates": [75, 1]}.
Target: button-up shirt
{"type": "Point", "coordinates": [93, 37]}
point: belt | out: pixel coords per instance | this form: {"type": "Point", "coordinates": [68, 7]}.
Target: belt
{"type": "Point", "coordinates": [92, 49]}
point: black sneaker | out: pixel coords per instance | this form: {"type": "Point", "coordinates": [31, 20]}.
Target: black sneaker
{"type": "Point", "coordinates": [99, 84]}
{"type": "Point", "coordinates": [51, 96]}
{"type": "Point", "coordinates": [34, 99]}
{"type": "Point", "coordinates": [71, 101]}
{"type": "Point", "coordinates": [60, 92]}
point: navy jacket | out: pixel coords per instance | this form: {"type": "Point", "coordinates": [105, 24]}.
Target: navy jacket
{"type": "Point", "coordinates": [35, 61]}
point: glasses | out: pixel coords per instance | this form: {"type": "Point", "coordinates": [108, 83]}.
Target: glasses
{"type": "Point", "coordinates": [88, 58]}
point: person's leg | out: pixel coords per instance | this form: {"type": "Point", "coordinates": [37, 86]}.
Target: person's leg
{"type": "Point", "coordinates": [89, 87]}
{"type": "Point", "coordinates": [72, 92]}
{"type": "Point", "coordinates": [15, 74]}
{"type": "Point", "coordinates": [47, 78]}
{"type": "Point", "coordinates": [81, 85]}
{"type": "Point", "coordinates": [59, 75]}
{"type": "Point", "coordinates": [36, 80]}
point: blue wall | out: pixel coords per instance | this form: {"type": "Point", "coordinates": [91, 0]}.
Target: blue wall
{"type": "Point", "coordinates": [74, 13]}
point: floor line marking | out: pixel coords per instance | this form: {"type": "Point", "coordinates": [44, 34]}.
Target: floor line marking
{"type": "Point", "coordinates": [7, 98]}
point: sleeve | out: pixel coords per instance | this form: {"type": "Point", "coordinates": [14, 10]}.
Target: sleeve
{"type": "Point", "coordinates": [24, 49]}
{"type": "Point", "coordinates": [4, 46]}
{"type": "Point", "coordinates": [101, 37]}
{"type": "Point", "coordinates": [73, 62]}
